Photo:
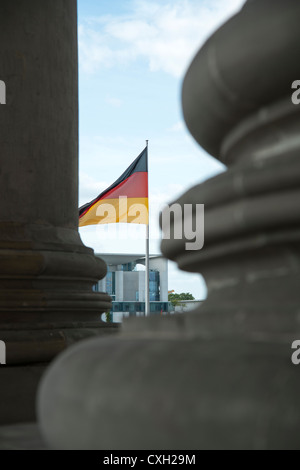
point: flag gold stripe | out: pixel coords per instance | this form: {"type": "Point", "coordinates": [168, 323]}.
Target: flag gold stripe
{"type": "Point", "coordinates": [120, 210]}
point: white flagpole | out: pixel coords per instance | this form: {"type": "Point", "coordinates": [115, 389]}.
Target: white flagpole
{"type": "Point", "coordinates": [147, 300]}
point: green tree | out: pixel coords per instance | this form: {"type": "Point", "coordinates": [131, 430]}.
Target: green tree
{"type": "Point", "coordinates": [108, 317]}
{"type": "Point", "coordinates": [176, 298]}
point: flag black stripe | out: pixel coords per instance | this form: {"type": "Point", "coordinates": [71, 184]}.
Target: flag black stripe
{"type": "Point", "coordinates": [140, 164]}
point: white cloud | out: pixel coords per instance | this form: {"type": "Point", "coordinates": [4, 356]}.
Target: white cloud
{"type": "Point", "coordinates": [177, 127]}
{"type": "Point", "coordinates": [166, 34]}
{"type": "Point", "coordinates": [113, 101]}
{"type": "Point", "coordinates": [90, 188]}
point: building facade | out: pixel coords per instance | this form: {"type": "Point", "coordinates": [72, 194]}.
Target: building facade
{"type": "Point", "coordinates": [125, 283]}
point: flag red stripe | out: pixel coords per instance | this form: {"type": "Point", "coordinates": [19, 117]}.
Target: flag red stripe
{"type": "Point", "coordinates": [136, 186]}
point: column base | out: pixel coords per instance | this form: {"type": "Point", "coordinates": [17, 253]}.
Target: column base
{"type": "Point", "coordinates": [46, 291]}
{"type": "Point", "coordinates": [25, 345]}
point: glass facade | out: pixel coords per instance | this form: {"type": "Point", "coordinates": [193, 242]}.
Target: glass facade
{"type": "Point", "coordinates": [128, 267]}
{"type": "Point", "coordinates": [111, 284]}
{"type": "Point", "coordinates": [154, 283]}
{"type": "Point", "coordinates": [136, 307]}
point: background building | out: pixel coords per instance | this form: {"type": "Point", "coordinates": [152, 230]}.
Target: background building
{"type": "Point", "coordinates": [125, 283]}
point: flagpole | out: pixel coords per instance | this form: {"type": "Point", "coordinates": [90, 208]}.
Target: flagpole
{"type": "Point", "coordinates": [147, 299]}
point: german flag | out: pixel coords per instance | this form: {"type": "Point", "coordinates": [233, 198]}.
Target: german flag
{"type": "Point", "coordinates": [125, 201]}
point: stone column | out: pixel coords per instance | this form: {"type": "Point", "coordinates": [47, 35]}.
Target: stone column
{"type": "Point", "coordinates": [222, 376]}
{"type": "Point", "coordinates": [46, 273]}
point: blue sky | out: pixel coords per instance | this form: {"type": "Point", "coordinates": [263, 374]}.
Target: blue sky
{"type": "Point", "coordinates": [132, 58]}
